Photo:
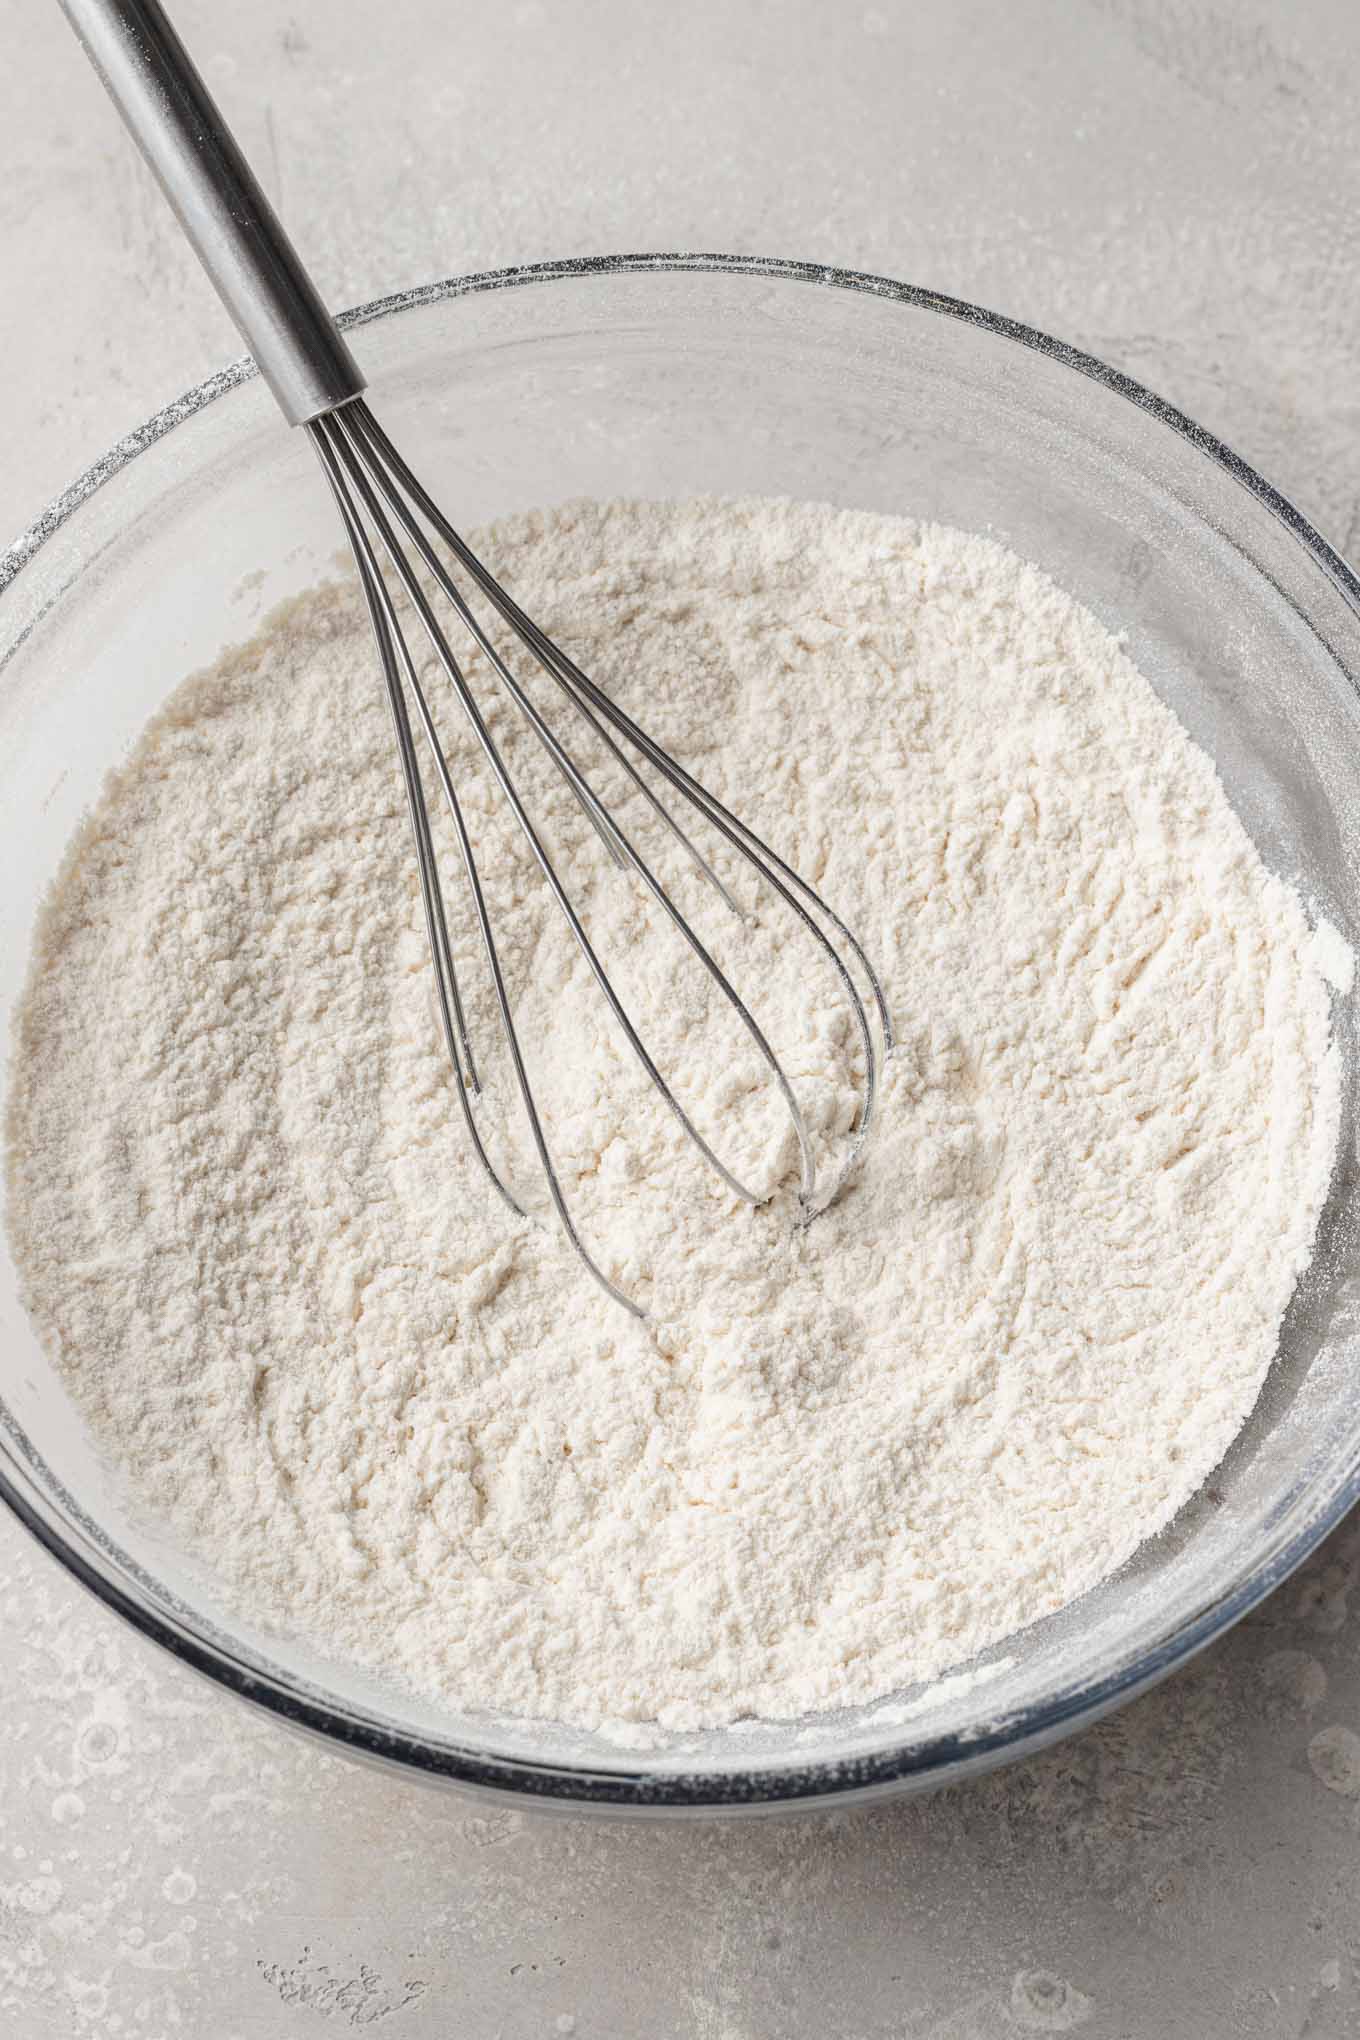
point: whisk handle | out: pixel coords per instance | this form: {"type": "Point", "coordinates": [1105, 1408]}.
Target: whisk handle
{"type": "Point", "coordinates": [218, 201]}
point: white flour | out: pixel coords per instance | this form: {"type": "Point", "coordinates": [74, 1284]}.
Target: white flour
{"type": "Point", "coordinates": [833, 1461]}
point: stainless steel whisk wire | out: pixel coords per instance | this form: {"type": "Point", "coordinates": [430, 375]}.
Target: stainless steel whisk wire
{"type": "Point", "coordinates": [395, 529]}
{"type": "Point", "coordinates": [361, 463]}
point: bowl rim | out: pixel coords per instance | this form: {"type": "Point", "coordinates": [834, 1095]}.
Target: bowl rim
{"type": "Point", "coordinates": [636, 1787]}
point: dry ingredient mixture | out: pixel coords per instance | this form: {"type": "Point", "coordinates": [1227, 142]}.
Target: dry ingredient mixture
{"type": "Point", "coordinates": [836, 1459]}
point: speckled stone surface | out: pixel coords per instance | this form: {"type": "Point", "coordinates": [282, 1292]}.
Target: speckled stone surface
{"type": "Point", "coordinates": [1174, 184]}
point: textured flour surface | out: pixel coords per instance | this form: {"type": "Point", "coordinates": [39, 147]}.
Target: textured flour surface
{"type": "Point", "coordinates": [834, 1460]}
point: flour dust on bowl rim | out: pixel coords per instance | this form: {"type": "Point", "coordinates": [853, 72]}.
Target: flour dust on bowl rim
{"type": "Point", "coordinates": [674, 376]}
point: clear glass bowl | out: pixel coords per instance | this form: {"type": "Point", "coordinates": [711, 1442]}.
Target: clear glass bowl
{"type": "Point", "coordinates": [667, 376]}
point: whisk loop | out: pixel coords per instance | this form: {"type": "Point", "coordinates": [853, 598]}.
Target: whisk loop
{"type": "Point", "coordinates": [396, 529]}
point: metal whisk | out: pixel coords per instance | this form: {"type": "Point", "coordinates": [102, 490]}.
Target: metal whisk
{"type": "Point", "coordinates": [405, 547]}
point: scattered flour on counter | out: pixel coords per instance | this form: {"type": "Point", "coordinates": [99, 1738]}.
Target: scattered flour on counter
{"type": "Point", "coordinates": [834, 1461]}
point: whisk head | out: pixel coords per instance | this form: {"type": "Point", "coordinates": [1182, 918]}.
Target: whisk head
{"type": "Point", "coordinates": [402, 541]}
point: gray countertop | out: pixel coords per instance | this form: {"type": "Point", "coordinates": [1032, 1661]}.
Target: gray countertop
{"type": "Point", "coordinates": [1174, 184]}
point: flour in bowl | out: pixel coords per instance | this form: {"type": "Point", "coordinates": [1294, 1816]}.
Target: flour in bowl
{"type": "Point", "coordinates": [834, 1460]}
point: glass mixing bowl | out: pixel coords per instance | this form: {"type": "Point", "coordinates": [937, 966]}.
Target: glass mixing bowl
{"type": "Point", "coordinates": [668, 376]}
